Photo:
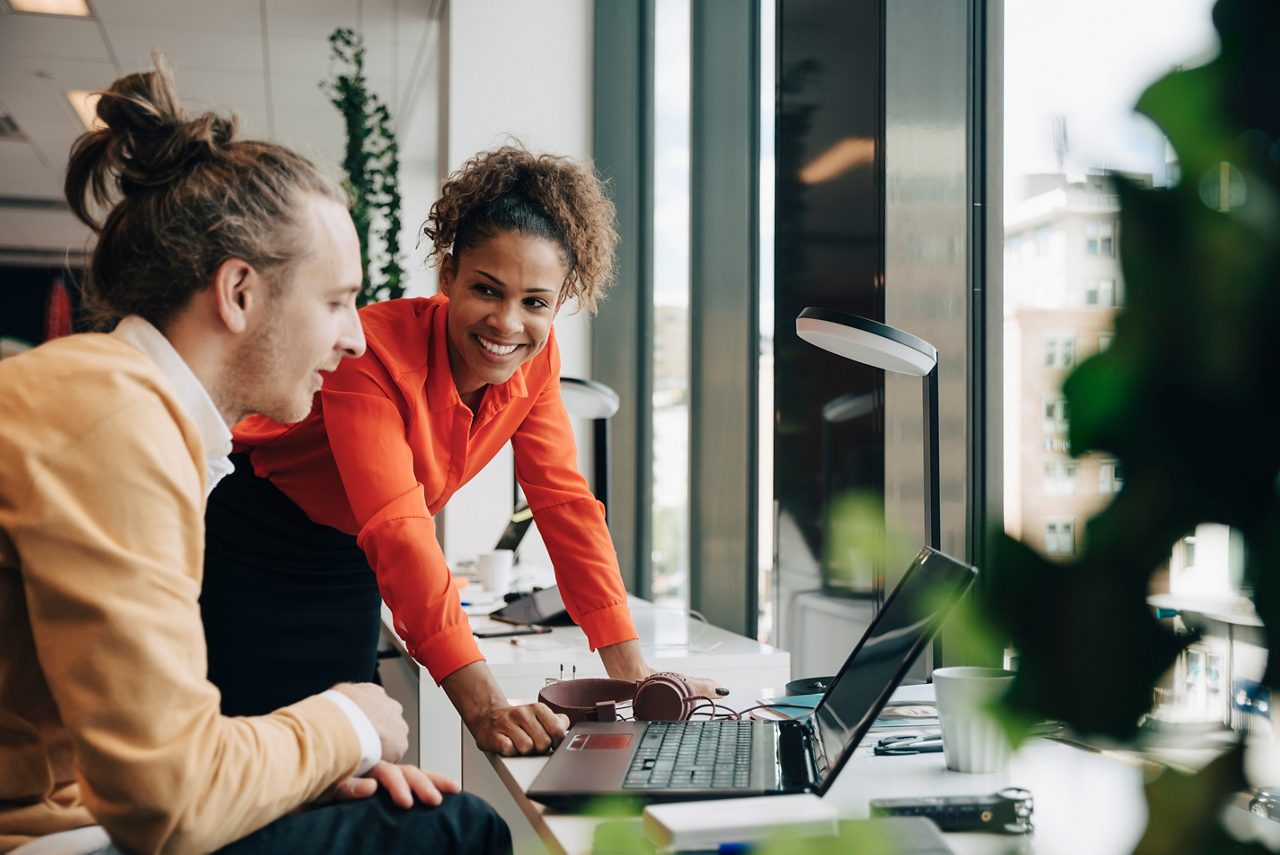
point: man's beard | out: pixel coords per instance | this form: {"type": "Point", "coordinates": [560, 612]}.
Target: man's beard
{"type": "Point", "coordinates": [254, 366]}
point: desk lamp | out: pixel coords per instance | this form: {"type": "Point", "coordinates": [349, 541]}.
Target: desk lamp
{"type": "Point", "coordinates": [589, 399]}
{"type": "Point", "coordinates": [882, 346]}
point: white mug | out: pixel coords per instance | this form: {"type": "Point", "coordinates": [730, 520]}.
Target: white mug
{"type": "Point", "coordinates": [972, 738]}
{"type": "Point", "coordinates": [495, 570]}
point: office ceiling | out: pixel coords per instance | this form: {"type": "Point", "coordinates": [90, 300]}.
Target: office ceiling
{"type": "Point", "coordinates": [261, 59]}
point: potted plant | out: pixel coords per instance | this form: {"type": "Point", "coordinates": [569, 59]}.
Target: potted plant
{"type": "Point", "coordinates": [372, 165]}
{"type": "Point", "coordinates": [1187, 398]}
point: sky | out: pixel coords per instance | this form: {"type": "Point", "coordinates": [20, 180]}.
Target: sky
{"type": "Point", "coordinates": [1088, 61]}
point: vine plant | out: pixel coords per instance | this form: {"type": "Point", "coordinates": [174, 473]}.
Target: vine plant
{"type": "Point", "coordinates": [372, 164]}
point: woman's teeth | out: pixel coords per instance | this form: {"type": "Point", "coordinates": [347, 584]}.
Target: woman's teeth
{"type": "Point", "coordinates": [497, 349]}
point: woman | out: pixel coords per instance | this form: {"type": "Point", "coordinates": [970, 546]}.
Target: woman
{"type": "Point", "coordinates": [289, 600]}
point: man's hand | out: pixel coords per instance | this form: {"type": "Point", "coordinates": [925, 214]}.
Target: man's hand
{"type": "Point", "coordinates": [511, 731]}
{"type": "Point", "coordinates": [386, 715]}
{"type": "Point", "coordinates": [402, 783]}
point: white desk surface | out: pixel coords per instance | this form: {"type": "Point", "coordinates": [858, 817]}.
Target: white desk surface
{"type": "Point", "coordinates": [1084, 801]}
{"type": "Point", "coordinates": [665, 634]}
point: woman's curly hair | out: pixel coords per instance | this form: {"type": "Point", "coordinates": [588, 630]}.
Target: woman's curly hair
{"type": "Point", "coordinates": [510, 189]}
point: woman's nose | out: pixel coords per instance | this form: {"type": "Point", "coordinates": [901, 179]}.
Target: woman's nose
{"type": "Point", "coordinates": [505, 319]}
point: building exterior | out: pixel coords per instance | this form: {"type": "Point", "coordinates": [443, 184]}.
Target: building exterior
{"type": "Point", "coordinates": [1063, 287]}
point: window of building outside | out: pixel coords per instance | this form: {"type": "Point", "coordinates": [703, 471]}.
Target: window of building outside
{"type": "Point", "coordinates": [670, 520]}
{"type": "Point", "coordinates": [1060, 537]}
{"type": "Point", "coordinates": [1060, 350]}
{"type": "Point", "coordinates": [1068, 123]}
{"type": "Point", "coordinates": [1110, 477]}
{"type": "Point", "coordinates": [1060, 477]}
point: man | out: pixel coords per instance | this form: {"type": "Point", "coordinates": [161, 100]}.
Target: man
{"type": "Point", "coordinates": [234, 266]}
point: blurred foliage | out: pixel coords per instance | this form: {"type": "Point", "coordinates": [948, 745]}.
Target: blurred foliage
{"type": "Point", "coordinates": [372, 164]}
{"type": "Point", "coordinates": [1186, 397]}
{"type": "Point", "coordinates": [855, 547]}
{"type": "Point", "coordinates": [1187, 819]}
{"type": "Point", "coordinates": [890, 836]}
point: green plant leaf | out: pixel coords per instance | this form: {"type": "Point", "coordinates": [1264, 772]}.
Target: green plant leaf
{"type": "Point", "coordinates": [372, 167]}
{"type": "Point", "coordinates": [1183, 811]}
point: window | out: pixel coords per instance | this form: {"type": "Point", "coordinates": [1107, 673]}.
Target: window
{"type": "Point", "coordinates": [1100, 237]}
{"type": "Point", "coordinates": [1044, 238]}
{"type": "Point", "coordinates": [1060, 477]}
{"type": "Point", "coordinates": [1105, 293]}
{"type": "Point", "coordinates": [1060, 350]}
{"type": "Point", "coordinates": [1110, 477]}
{"type": "Point", "coordinates": [1060, 537]}
{"type": "Point", "coordinates": [670, 520]}
{"type": "Point", "coordinates": [1066, 124]}
{"type": "Point", "coordinates": [1055, 414]}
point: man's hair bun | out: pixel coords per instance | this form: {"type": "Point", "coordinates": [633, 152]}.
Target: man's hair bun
{"type": "Point", "coordinates": [172, 197]}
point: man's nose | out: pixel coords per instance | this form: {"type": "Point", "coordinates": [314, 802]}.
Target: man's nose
{"type": "Point", "coordinates": [351, 341]}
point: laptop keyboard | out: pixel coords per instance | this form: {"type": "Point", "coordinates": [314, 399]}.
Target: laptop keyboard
{"type": "Point", "coordinates": [704, 755]}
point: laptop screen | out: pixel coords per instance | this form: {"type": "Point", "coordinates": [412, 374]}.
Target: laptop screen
{"type": "Point", "coordinates": [902, 628]}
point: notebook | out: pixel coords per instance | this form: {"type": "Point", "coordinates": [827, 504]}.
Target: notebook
{"type": "Point", "coordinates": [687, 760]}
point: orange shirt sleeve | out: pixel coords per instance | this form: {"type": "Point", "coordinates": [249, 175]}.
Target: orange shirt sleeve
{"type": "Point", "coordinates": [366, 430]}
{"type": "Point", "coordinates": [570, 519]}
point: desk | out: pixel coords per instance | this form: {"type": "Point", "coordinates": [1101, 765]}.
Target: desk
{"type": "Point", "coordinates": [1084, 801]}
{"type": "Point", "coordinates": [669, 639]}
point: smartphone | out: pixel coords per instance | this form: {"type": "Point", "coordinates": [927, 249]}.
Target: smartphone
{"type": "Point", "coordinates": [514, 630]}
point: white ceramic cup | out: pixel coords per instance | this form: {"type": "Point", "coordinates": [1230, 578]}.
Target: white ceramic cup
{"type": "Point", "coordinates": [972, 739]}
{"type": "Point", "coordinates": [495, 570]}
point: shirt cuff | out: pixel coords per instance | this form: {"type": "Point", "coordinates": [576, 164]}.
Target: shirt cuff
{"type": "Point", "coordinates": [370, 744]}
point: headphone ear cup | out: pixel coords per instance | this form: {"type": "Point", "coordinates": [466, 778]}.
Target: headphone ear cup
{"type": "Point", "coordinates": [664, 697]}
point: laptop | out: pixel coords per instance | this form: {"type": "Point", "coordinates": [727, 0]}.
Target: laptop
{"type": "Point", "coordinates": [687, 760]}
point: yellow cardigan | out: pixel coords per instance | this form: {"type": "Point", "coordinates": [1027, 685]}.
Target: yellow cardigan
{"type": "Point", "coordinates": [106, 714]}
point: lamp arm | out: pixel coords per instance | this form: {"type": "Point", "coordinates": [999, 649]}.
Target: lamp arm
{"type": "Point", "coordinates": [932, 515]}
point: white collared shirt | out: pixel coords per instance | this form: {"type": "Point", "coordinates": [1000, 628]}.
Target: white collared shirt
{"type": "Point", "coordinates": [191, 394]}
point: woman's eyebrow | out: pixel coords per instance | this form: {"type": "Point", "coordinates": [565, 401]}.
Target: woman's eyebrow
{"type": "Point", "coordinates": [498, 281]}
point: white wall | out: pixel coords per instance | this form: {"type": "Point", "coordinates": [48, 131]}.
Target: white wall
{"type": "Point", "coordinates": [511, 68]}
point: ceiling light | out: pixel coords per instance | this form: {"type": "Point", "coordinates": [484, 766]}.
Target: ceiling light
{"type": "Point", "coordinates": [85, 104]}
{"type": "Point", "coordinates": [78, 8]}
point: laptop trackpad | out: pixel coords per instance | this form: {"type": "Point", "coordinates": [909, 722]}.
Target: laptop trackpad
{"type": "Point", "coordinates": [597, 741]}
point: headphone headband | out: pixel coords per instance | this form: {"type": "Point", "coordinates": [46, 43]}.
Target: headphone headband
{"type": "Point", "coordinates": [581, 699]}
{"type": "Point", "coordinates": [664, 696]}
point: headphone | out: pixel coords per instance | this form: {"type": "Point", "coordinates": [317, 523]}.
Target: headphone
{"type": "Point", "coordinates": [664, 696]}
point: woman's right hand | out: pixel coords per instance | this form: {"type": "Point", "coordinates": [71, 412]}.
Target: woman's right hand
{"type": "Point", "coordinates": [496, 724]}
{"type": "Point", "coordinates": [515, 730]}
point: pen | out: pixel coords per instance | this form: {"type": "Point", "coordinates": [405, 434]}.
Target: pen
{"type": "Point", "coordinates": [900, 745]}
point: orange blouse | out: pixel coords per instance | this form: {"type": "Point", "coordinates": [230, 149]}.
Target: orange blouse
{"type": "Point", "coordinates": [389, 441]}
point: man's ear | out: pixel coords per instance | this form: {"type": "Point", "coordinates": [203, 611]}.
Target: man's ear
{"type": "Point", "coordinates": [238, 292]}
{"type": "Point", "coordinates": [448, 270]}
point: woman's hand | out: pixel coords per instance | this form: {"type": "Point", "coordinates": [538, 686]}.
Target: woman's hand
{"type": "Point", "coordinates": [624, 661]}
{"type": "Point", "coordinates": [525, 729]}
{"type": "Point", "coordinates": [496, 724]}
{"type": "Point", "coordinates": [403, 783]}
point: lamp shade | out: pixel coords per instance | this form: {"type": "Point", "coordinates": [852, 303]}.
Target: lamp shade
{"type": "Point", "coordinates": [866, 341]}
{"type": "Point", "coordinates": [588, 399]}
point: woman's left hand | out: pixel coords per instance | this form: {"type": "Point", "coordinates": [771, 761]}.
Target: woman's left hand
{"type": "Point", "coordinates": [624, 661]}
